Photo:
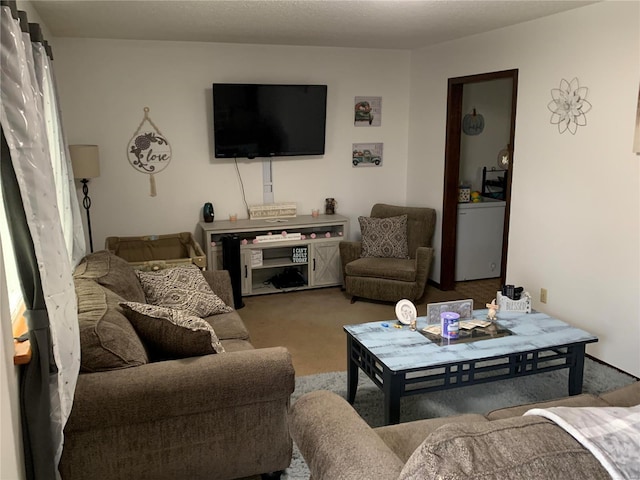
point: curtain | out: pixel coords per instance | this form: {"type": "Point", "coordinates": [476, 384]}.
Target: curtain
{"type": "Point", "coordinates": [43, 252]}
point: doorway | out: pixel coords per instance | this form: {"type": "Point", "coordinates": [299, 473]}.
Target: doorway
{"type": "Point", "coordinates": [452, 172]}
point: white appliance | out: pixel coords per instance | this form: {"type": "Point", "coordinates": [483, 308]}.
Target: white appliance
{"type": "Point", "coordinates": [479, 239]}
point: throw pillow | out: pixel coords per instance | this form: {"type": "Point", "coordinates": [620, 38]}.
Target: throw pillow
{"type": "Point", "coordinates": [384, 237]}
{"type": "Point", "coordinates": [172, 333]}
{"type": "Point", "coordinates": [112, 272]}
{"type": "Point", "coordinates": [182, 288]}
{"type": "Point", "coordinates": [108, 341]}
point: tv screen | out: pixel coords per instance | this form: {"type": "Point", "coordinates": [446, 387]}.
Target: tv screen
{"type": "Point", "coordinates": [252, 120]}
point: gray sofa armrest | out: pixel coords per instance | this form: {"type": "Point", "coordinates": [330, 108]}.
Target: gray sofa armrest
{"type": "Point", "coordinates": [220, 283]}
{"type": "Point", "coordinates": [174, 388]}
{"type": "Point", "coordinates": [337, 443]}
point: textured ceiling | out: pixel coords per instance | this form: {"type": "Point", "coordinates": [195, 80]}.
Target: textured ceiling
{"type": "Point", "coordinates": [394, 24]}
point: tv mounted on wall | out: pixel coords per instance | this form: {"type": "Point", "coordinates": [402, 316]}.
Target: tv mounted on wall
{"type": "Point", "coordinates": [264, 120]}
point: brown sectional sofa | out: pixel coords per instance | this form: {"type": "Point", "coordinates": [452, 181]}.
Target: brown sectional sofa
{"type": "Point", "coordinates": [215, 416]}
{"type": "Point", "coordinates": [337, 444]}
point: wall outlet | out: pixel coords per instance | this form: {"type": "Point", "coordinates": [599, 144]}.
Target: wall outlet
{"type": "Point", "coordinates": [543, 295]}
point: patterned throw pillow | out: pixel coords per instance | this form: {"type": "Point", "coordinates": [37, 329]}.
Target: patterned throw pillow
{"type": "Point", "coordinates": [172, 333]}
{"type": "Point", "coordinates": [384, 237]}
{"type": "Point", "coordinates": [182, 288]}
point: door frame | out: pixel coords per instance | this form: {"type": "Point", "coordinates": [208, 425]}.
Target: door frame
{"type": "Point", "coordinates": [452, 173]}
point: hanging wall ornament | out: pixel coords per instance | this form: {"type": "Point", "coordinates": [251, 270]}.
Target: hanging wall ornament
{"type": "Point", "coordinates": [148, 150]}
{"type": "Point", "coordinates": [473, 123]}
{"type": "Point", "coordinates": [569, 106]}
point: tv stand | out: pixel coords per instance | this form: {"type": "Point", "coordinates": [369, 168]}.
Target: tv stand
{"type": "Point", "coordinates": [314, 252]}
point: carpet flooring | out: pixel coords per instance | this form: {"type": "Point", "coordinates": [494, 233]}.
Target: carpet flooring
{"type": "Point", "coordinates": [309, 322]}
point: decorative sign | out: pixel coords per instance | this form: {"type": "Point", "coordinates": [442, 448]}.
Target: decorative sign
{"type": "Point", "coordinates": [149, 151]}
{"type": "Point", "coordinates": [299, 255]}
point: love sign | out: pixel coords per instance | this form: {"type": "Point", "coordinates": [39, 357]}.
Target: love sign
{"type": "Point", "coordinates": [149, 151]}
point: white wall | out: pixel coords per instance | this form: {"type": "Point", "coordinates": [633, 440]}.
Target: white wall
{"type": "Point", "coordinates": [104, 86]}
{"type": "Point", "coordinates": [11, 457]}
{"type": "Point", "coordinates": [575, 205]}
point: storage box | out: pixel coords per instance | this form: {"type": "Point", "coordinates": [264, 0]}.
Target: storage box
{"type": "Point", "coordinates": [155, 252]}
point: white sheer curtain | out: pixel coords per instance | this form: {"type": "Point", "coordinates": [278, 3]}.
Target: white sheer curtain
{"type": "Point", "coordinates": [68, 206]}
{"type": "Point", "coordinates": [23, 123]}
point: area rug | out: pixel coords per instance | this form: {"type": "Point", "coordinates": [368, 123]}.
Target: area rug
{"type": "Point", "coordinates": [483, 398]}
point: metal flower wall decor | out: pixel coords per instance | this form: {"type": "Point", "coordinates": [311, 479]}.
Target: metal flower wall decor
{"type": "Point", "coordinates": [569, 106]}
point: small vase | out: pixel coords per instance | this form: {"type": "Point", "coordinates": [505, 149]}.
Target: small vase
{"type": "Point", "coordinates": [207, 212]}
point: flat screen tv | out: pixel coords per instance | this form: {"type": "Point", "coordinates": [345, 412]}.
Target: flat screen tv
{"type": "Point", "coordinates": [263, 120]}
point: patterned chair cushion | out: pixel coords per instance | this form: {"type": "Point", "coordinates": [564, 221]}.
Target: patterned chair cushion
{"type": "Point", "coordinates": [384, 237]}
{"type": "Point", "coordinates": [170, 333]}
{"type": "Point", "coordinates": [182, 288]}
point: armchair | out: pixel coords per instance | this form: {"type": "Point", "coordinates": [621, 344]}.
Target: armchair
{"type": "Point", "coordinates": [391, 279]}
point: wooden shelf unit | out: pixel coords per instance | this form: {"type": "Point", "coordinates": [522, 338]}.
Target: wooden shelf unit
{"type": "Point", "coordinates": [322, 267]}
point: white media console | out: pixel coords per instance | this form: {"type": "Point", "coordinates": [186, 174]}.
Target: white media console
{"type": "Point", "coordinates": [312, 249]}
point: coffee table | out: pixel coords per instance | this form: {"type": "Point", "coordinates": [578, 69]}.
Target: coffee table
{"type": "Point", "coordinates": [402, 362]}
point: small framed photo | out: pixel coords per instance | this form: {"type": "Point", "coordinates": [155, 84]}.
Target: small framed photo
{"type": "Point", "coordinates": [366, 154]}
{"type": "Point", "coordinates": [464, 308]}
{"type": "Point", "coordinates": [367, 112]}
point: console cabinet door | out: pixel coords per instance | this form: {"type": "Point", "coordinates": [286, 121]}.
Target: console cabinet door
{"type": "Point", "coordinates": [326, 265]}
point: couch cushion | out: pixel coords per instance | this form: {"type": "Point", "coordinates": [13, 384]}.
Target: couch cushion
{"type": "Point", "coordinates": [170, 333]}
{"type": "Point", "coordinates": [182, 288]}
{"type": "Point", "coordinates": [112, 272]}
{"type": "Point", "coordinates": [509, 449]}
{"type": "Point", "coordinates": [107, 340]}
{"type": "Point", "coordinates": [404, 438]}
{"type": "Point", "coordinates": [228, 326]}
{"type": "Point", "coordinates": [384, 237]}
{"type": "Point", "coordinates": [584, 400]}
{"type": "Point", "coordinates": [235, 345]}
{"type": "Point", "coordinates": [389, 268]}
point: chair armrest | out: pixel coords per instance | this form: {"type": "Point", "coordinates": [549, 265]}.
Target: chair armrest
{"type": "Point", "coordinates": [337, 443]}
{"type": "Point", "coordinates": [220, 283]}
{"type": "Point", "coordinates": [175, 388]}
{"type": "Point", "coordinates": [349, 251]}
{"type": "Point", "coordinates": [424, 258]}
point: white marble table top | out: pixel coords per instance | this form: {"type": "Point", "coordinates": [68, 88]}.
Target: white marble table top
{"type": "Point", "coordinates": [403, 349]}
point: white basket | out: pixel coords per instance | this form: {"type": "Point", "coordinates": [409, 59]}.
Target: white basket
{"type": "Point", "coordinates": [508, 305]}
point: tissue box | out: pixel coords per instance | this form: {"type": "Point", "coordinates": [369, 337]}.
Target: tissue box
{"type": "Point", "coordinates": [507, 305]}
{"type": "Point", "coordinates": [464, 194]}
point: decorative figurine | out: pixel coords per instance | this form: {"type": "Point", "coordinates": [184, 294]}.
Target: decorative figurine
{"type": "Point", "coordinates": [493, 310]}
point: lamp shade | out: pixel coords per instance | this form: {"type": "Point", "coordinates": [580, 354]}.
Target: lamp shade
{"type": "Point", "coordinates": [85, 161]}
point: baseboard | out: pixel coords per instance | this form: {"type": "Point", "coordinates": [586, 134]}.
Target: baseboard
{"type": "Point", "coordinates": [610, 366]}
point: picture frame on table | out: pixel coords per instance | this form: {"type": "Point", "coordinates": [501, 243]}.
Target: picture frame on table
{"type": "Point", "coordinates": [464, 308]}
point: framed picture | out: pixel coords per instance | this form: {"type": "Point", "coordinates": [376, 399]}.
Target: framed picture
{"type": "Point", "coordinates": [464, 308]}
{"type": "Point", "coordinates": [367, 112]}
{"type": "Point", "coordinates": [366, 154]}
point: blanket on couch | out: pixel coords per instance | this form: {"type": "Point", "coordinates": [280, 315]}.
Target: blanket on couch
{"type": "Point", "coordinates": [611, 434]}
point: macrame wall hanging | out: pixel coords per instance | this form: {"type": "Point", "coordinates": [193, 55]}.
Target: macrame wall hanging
{"type": "Point", "coordinates": [148, 150]}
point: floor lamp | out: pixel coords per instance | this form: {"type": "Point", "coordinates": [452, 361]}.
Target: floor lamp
{"type": "Point", "coordinates": [86, 165]}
